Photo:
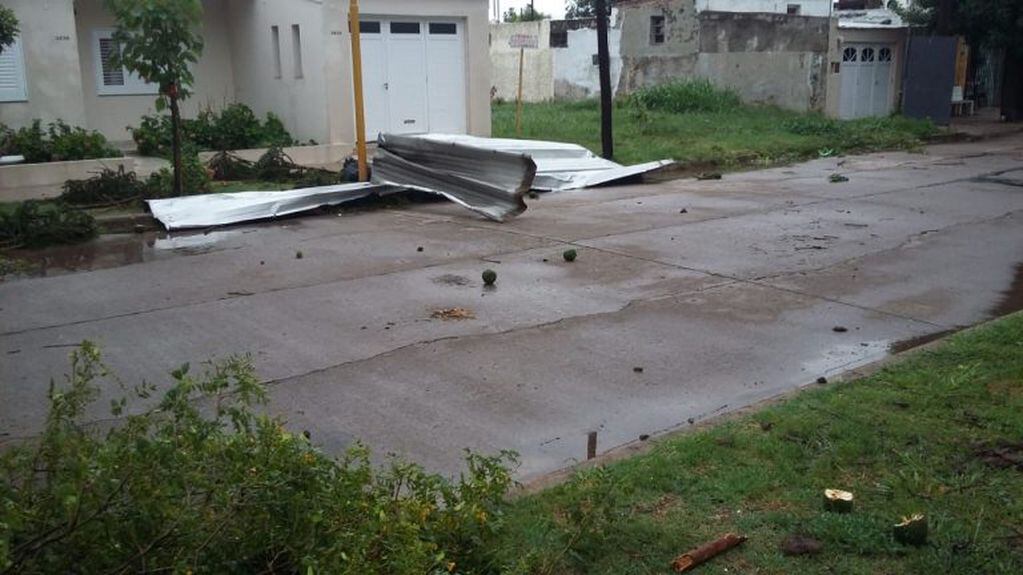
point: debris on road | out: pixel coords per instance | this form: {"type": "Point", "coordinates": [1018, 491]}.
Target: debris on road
{"type": "Point", "coordinates": [838, 501]}
{"type": "Point", "coordinates": [706, 552]}
{"type": "Point", "coordinates": [822, 380]}
{"type": "Point", "coordinates": [839, 329]}
{"type": "Point", "coordinates": [837, 178]}
{"type": "Point", "coordinates": [911, 530]}
{"type": "Point", "coordinates": [487, 175]}
{"type": "Point", "coordinates": [489, 277]}
{"type": "Point", "coordinates": [795, 545]}
{"type": "Point", "coordinates": [708, 176]}
{"type": "Point", "coordinates": [559, 166]}
{"type": "Point", "coordinates": [209, 210]}
{"type": "Point", "coordinates": [453, 314]}
{"type": "Point", "coordinates": [489, 182]}
{"type": "Point", "coordinates": [298, 255]}
{"type": "Point", "coordinates": [637, 370]}
{"type": "Point", "coordinates": [569, 255]}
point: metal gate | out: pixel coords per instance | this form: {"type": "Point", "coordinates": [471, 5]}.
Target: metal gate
{"type": "Point", "coordinates": [930, 74]}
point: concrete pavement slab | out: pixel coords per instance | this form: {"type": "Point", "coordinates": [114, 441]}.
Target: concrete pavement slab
{"type": "Point", "coordinates": [730, 302]}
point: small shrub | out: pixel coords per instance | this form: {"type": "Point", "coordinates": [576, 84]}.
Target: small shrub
{"type": "Point", "coordinates": [236, 127]}
{"type": "Point", "coordinates": [59, 142]}
{"type": "Point", "coordinates": [106, 188]}
{"type": "Point", "coordinates": [205, 482]}
{"type": "Point", "coordinates": [195, 179]}
{"type": "Point", "coordinates": [686, 96]}
{"type": "Point", "coordinates": [36, 224]}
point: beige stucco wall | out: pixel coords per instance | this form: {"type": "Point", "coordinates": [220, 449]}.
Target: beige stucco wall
{"type": "Point", "coordinates": [645, 64]}
{"type": "Point", "coordinates": [890, 36]}
{"type": "Point", "coordinates": [301, 102]}
{"type": "Point", "coordinates": [537, 63]}
{"type": "Point", "coordinates": [337, 48]}
{"type": "Point", "coordinates": [50, 44]}
{"type": "Point", "coordinates": [214, 78]}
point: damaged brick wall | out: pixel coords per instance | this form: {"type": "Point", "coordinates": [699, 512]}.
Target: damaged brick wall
{"type": "Point", "coordinates": [776, 59]}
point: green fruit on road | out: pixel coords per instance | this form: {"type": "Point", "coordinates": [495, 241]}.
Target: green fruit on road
{"type": "Point", "coordinates": [489, 277]}
{"type": "Point", "coordinates": [569, 255]}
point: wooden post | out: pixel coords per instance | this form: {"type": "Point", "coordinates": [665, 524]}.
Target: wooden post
{"type": "Point", "coordinates": [518, 104]}
{"type": "Point", "coordinates": [604, 61]}
{"type": "Point", "coordinates": [360, 109]}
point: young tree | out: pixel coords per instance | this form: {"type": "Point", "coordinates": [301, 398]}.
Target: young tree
{"type": "Point", "coordinates": [8, 27]}
{"type": "Point", "coordinates": [583, 8]}
{"type": "Point", "coordinates": [527, 14]}
{"type": "Point", "coordinates": [160, 40]}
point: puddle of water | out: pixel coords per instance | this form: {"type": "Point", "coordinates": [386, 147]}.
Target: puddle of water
{"type": "Point", "coordinates": [1011, 302]}
{"type": "Point", "coordinates": [115, 250]}
{"type": "Point", "coordinates": [1012, 298]}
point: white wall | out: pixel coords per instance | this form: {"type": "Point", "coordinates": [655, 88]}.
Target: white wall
{"type": "Point", "coordinates": [575, 76]}
{"type": "Point", "coordinates": [538, 64]}
{"type": "Point", "coordinates": [299, 101]}
{"type": "Point", "coordinates": [54, 80]}
{"type": "Point", "coordinates": [214, 79]}
{"type": "Point", "coordinates": [337, 48]}
{"type": "Point", "coordinates": [807, 7]}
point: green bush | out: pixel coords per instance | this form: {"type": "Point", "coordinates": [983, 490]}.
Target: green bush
{"type": "Point", "coordinates": [58, 142]}
{"type": "Point", "coordinates": [235, 127]}
{"type": "Point", "coordinates": [35, 224]}
{"type": "Point", "coordinates": [203, 482]}
{"type": "Point", "coordinates": [686, 96]}
{"type": "Point", "coordinates": [195, 179]}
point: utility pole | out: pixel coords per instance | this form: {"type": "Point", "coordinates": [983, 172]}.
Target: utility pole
{"type": "Point", "coordinates": [604, 62]}
{"type": "Point", "coordinates": [360, 109]}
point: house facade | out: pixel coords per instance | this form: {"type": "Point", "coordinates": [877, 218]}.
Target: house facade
{"type": "Point", "coordinates": [425, 66]}
{"type": "Point", "coordinates": [803, 56]}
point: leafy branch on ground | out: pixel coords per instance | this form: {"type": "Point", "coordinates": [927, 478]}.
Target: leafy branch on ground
{"type": "Point", "coordinates": [58, 142]}
{"type": "Point", "coordinates": [203, 481]}
{"type": "Point", "coordinates": [32, 224]}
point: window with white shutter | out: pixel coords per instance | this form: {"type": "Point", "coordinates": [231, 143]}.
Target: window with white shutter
{"type": "Point", "coordinates": [12, 74]}
{"type": "Point", "coordinates": [114, 80]}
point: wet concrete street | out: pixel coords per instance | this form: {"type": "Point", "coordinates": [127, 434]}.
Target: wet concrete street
{"type": "Point", "coordinates": [688, 299]}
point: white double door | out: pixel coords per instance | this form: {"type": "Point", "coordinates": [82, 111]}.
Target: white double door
{"type": "Point", "coordinates": [414, 78]}
{"type": "Point", "coordinates": [866, 73]}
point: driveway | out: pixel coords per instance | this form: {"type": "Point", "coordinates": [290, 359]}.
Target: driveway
{"type": "Point", "coordinates": [688, 299]}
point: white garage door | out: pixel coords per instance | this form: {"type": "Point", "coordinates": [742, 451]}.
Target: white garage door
{"type": "Point", "coordinates": [866, 72]}
{"type": "Point", "coordinates": [413, 75]}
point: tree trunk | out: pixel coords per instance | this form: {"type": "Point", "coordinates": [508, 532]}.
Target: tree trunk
{"type": "Point", "coordinates": [604, 62]}
{"type": "Point", "coordinates": [176, 141]}
{"type": "Point", "coordinates": [1012, 87]}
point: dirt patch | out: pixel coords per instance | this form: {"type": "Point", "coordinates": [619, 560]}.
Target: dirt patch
{"type": "Point", "coordinates": [453, 314]}
{"type": "Point", "coordinates": [452, 280]}
{"type": "Point", "coordinates": [1002, 455]}
{"type": "Point", "coordinates": [795, 544]}
{"type": "Point", "coordinates": [659, 508]}
{"type": "Point", "coordinates": [908, 344]}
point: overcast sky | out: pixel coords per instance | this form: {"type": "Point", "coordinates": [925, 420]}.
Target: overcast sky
{"type": "Point", "coordinates": [556, 8]}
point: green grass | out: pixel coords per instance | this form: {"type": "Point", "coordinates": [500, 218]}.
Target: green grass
{"type": "Point", "coordinates": [904, 440]}
{"type": "Point", "coordinates": [745, 136]}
